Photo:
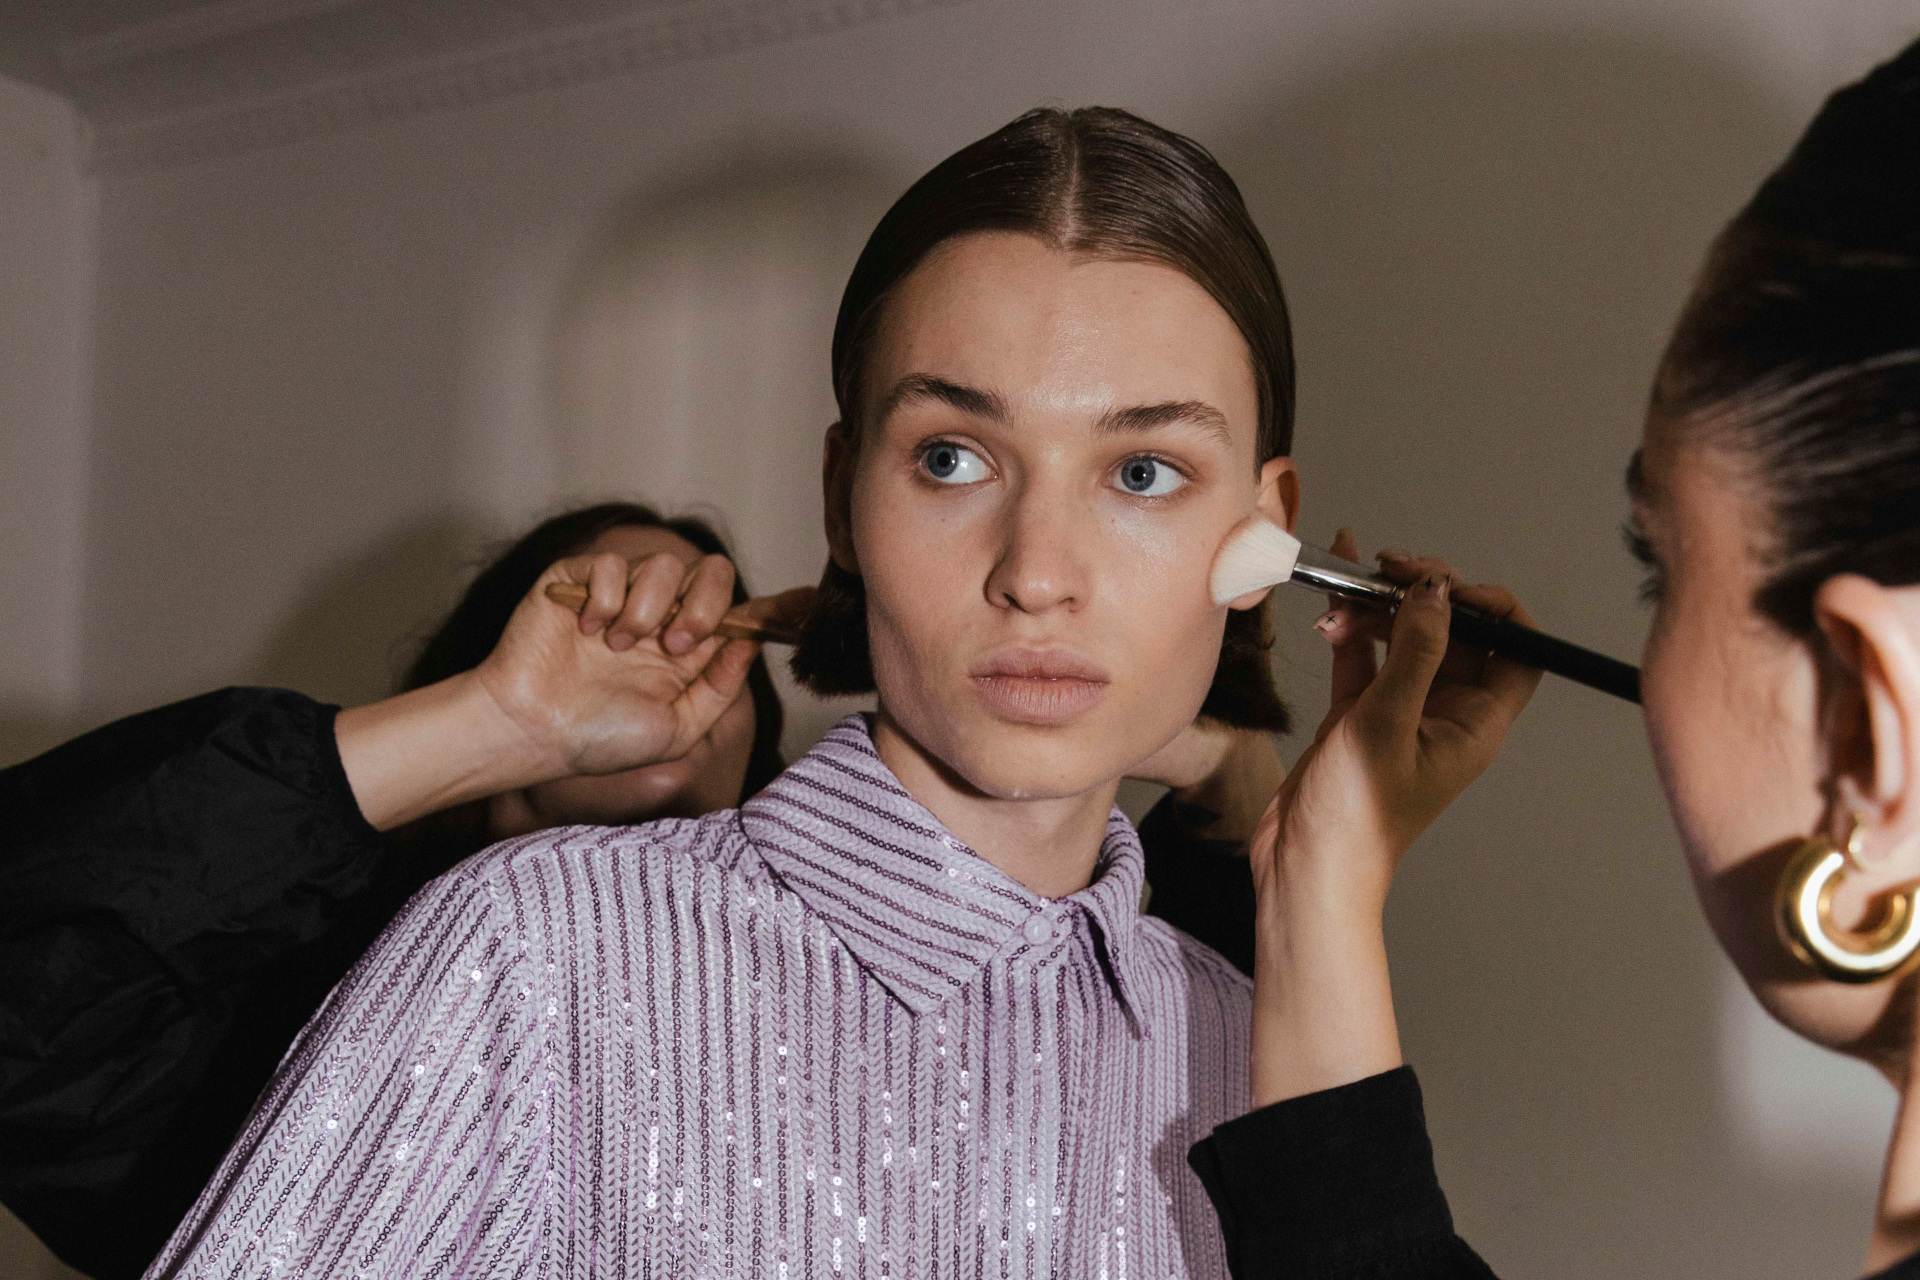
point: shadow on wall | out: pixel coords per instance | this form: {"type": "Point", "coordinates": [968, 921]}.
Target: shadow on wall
{"type": "Point", "coordinates": [363, 621]}
{"type": "Point", "coordinates": [691, 363]}
{"type": "Point", "coordinates": [1485, 240]}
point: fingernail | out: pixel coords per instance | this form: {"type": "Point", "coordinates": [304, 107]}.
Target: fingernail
{"type": "Point", "coordinates": [679, 641]}
{"type": "Point", "coordinates": [1326, 622]}
{"type": "Point", "coordinates": [620, 642]}
{"type": "Point", "coordinates": [1393, 555]}
{"type": "Point", "coordinates": [1439, 587]}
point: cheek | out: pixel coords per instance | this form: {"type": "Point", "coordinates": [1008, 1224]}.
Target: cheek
{"type": "Point", "coordinates": [1730, 718]}
{"type": "Point", "coordinates": [1157, 585]}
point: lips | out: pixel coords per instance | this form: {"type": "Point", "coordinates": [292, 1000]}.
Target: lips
{"type": "Point", "coordinates": [1038, 686]}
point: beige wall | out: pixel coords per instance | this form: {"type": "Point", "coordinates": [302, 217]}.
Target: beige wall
{"type": "Point", "coordinates": [46, 251]}
{"type": "Point", "coordinates": [322, 372]}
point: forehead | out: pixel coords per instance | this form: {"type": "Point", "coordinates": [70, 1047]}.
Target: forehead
{"type": "Point", "coordinates": [635, 542]}
{"type": "Point", "coordinates": [1052, 330]}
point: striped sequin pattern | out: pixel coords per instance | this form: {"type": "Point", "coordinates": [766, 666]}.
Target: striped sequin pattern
{"type": "Point", "coordinates": [814, 1037]}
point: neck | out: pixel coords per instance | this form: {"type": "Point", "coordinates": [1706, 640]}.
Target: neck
{"type": "Point", "coordinates": [1049, 845]}
{"type": "Point", "coordinates": [1896, 1223]}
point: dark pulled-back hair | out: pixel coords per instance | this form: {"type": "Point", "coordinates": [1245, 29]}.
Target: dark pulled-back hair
{"type": "Point", "coordinates": [477, 622]}
{"type": "Point", "coordinates": [1096, 181]}
{"type": "Point", "coordinates": [1798, 353]}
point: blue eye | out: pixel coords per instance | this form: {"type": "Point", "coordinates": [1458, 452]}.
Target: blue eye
{"type": "Point", "coordinates": [1149, 477]}
{"type": "Point", "coordinates": [953, 464]}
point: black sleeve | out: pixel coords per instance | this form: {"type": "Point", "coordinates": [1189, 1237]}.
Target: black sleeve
{"type": "Point", "coordinates": [1338, 1183]}
{"type": "Point", "coordinates": [173, 891]}
{"type": "Point", "coordinates": [1202, 887]}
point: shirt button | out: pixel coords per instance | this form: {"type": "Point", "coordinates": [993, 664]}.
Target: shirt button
{"type": "Point", "coordinates": [1038, 929]}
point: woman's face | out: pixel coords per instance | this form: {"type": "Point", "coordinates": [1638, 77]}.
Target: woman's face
{"type": "Point", "coordinates": [1052, 448]}
{"type": "Point", "coordinates": [1732, 709]}
{"type": "Point", "coordinates": [707, 778]}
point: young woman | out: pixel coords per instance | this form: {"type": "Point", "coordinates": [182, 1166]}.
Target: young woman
{"type": "Point", "coordinates": [899, 1013]}
{"type": "Point", "coordinates": [1776, 501]}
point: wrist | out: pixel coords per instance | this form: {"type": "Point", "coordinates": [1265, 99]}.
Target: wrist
{"type": "Point", "coordinates": [436, 747]}
{"type": "Point", "coordinates": [1323, 1000]}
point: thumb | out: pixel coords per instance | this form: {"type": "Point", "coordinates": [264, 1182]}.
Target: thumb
{"type": "Point", "coordinates": [1418, 644]}
{"type": "Point", "coordinates": [715, 688]}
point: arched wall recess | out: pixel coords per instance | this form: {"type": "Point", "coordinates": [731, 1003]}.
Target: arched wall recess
{"type": "Point", "coordinates": [691, 365]}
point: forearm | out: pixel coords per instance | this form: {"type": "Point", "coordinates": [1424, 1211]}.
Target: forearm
{"type": "Point", "coordinates": [433, 748]}
{"type": "Point", "coordinates": [1323, 997]}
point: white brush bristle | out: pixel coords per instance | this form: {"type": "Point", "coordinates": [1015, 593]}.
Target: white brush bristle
{"type": "Point", "coordinates": [1258, 553]}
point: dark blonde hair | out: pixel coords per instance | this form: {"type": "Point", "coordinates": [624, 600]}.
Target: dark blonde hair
{"type": "Point", "coordinates": [1096, 181]}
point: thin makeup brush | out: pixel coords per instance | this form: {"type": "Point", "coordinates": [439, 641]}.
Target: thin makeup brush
{"type": "Point", "coordinates": [738, 623]}
{"type": "Point", "coordinates": [1259, 553]}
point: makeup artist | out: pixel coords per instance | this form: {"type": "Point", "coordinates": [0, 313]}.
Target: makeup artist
{"type": "Point", "coordinates": [155, 962]}
{"type": "Point", "coordinates": [1776, 502]}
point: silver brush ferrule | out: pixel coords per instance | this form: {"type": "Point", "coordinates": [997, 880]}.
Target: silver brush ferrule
{"type": "Point", "coordinates": [1323, 571]}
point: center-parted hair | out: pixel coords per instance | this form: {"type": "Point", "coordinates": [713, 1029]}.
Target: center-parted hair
{"type": "Point", "coordinates": [1096, 181]}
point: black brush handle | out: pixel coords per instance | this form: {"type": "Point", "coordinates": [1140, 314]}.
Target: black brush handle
{"type": "Point", "coordinates": [1538, 649]}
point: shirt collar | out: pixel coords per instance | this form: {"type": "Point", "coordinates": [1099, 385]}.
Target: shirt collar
{"type": "Point", "coordinates": [916, 907]}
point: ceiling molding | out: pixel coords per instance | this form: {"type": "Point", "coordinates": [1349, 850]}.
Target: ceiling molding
{"type": "Point", "coordinates": [184, 29]}
{"type": "Point", "coordinates": [658, 35]}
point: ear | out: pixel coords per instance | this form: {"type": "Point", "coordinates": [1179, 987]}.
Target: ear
{"type": "Point", "coordinates": [836, 484]}
{"type": "Point", "coordinates": [1871, 713]}
{"type": "Point", "coordinates": [1278, 500]}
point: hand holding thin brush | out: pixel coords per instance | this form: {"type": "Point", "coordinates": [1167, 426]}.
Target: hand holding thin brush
{"type": "Point", "coordinates": [604, 666]}
{"type": "Point", "coordinates": [1401, 740]}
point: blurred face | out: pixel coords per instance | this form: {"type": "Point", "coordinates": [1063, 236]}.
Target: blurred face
{"type": "Point", "coordinates": [1733, 711]}
{"type": "Point", "coordinates": [1052, 448]}
{"type": "Point", "coordinates": [707, 778]}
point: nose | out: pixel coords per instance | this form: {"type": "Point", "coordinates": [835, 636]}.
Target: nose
{"type": "Point", "coordinates": [1044, 564]}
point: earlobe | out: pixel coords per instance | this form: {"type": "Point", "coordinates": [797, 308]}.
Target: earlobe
{"type": "Point", "coordinates": [836, 486]}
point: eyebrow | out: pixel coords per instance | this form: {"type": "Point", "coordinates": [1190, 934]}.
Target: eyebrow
{"type": "Point", "coordinates": [1146, 417]}
{"type": "Point", "coordinates": [987, 404]}
{"type": "Point", "coordinates": [925, 386]}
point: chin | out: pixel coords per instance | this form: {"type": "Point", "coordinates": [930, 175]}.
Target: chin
{"type": "Point", "coordinates": [1010, 763]}
{"type": "Point", "coordinates": [1012, 760]}
{"type": "Point", "coordinates": [1865, 1022]}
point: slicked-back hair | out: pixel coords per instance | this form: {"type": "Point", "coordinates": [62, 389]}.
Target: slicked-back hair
{"type": "Point", "coordinates": [1798, 353]}
{"type": "Point", "coordinates": [1101, 182]}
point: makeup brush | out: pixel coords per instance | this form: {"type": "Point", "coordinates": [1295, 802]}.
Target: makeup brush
{"type": "Point", "coordinates": [1259, 553]}
{"type": "Point", "coordinates": [739, 622]}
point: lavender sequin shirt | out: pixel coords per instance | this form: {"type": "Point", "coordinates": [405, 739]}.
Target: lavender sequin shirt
{"type": "Point", "coordinates": [816, 1036]}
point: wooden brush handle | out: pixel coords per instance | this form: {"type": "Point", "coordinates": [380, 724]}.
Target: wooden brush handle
{"type": "Point", "coordinates": [738, 624]}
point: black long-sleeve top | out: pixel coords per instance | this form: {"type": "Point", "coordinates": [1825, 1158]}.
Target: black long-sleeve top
{"type": "Point", "coordinates": [178, 893]}
{"type": "Point", "coordinates": [1340, 1185]}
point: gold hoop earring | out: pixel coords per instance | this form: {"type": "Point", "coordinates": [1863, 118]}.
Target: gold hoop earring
{"type": "Point", "coordinates": [1804, 912]}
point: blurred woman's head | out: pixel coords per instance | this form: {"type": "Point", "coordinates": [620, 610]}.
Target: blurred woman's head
{"type": "Point", "coordinates": [1064, 371]}
{"type": "Point", "coordinates": [1777, 500]}
{"type": "Point", "coordinates": [739, 755]}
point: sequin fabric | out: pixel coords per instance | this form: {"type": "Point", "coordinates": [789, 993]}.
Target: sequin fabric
{"type": "Point", "coordinates": [816, 1036]}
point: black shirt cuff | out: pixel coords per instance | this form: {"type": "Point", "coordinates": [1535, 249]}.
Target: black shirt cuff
{"type": "Point", "coordinates": [1334, 1183]}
